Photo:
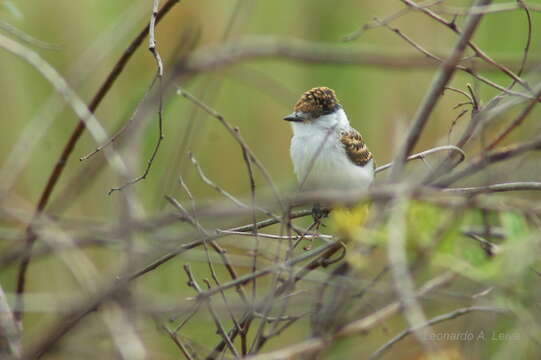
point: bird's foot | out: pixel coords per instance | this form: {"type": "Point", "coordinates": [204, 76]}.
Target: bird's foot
{"type": "Point", "coordinates": [318, 214]}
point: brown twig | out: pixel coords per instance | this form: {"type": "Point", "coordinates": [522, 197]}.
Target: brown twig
{"type": "Point", "coordinates": [178, 342]}
{"type": "Point", "coordinates": [435, 320]}
{"type": "Point", "coordinates": [515, 123]}
{"type": "Point", "coordinates": [249, 315]}
{"type": "Point", "coordinates": [218, 249]}
{"type": "Point", "coordinates": [213, 185]}
{"type": "Point", "coordinates": [193, 283]}
{"type": "Point", "coordinates": [492, 188]}
{"type": "Point", "coordinates": [481, 162]}
{"type": "Point", "coordinates": [387, 20]}
{"type": "Point", "coordinates": [251, 179]}
{"type": "Point", "coordinates": [440, 81]}
{"type": "Point", "coordinates": [271, 269]}
{"type": "Point", "coordinates": [359, 326]}
{"type": "Point", "coordinates": [478, 52]}
{"type": "Point", "coordinates": [466, 69]}
{"type": "Point", "coordinates": [489, 9]}
{"type": "Point", "coordinates": [150, 161]}
{"type": "Point", "coordinates": [124, 127]}
{"type": "Point", "coordinates": [236, 135]}
{"type": "Point", "coordinates": [152, 47]}
{"type": "Point", "coordinates": [72, 141]}
{"type": "Point", "coordinates": [271, 47]}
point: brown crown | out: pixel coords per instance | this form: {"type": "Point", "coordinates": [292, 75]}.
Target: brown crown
{"type": "Point", "coordinates": [318, 101]}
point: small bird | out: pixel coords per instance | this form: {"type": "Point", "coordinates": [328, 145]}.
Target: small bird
{"type": "Point", "coordinates": [327, 153]}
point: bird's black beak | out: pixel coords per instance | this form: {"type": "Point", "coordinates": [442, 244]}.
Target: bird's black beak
{"type": "Point", "coordinates": [295, 117]}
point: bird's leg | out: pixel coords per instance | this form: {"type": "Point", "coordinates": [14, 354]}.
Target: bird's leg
{"type": "Point", "coordinates": [319, 213]}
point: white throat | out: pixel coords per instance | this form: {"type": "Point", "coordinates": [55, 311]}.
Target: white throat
{"type": "Point", "coordinates": [338, 120]}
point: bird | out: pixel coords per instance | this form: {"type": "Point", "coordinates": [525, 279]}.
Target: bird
{"type": "Point", "coordinates": [326, 151]}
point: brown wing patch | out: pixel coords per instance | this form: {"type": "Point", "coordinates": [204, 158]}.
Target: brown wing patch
{"type": "Point", "coordinates": [355, 147]}
{"type": "Point", "coordinates": [318, 101]}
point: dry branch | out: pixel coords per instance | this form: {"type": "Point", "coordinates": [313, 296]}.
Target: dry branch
{"type": "Point", "coordinates": [279, 48]}
{"type": "Point", "coordinates": [439, 83]}
{"type": "Point", "coordinates": [354, 328]}
{"type": "Point", "coordinates": [75, 136]}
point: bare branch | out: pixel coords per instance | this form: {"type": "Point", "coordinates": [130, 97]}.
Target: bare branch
{"type": "Point", "coordinates": [484, 160]}
{"type": "Point", "coordinates": [10, 346]}
{"type": "Point", "coordinates": [423, 154]}
{"type": "Point", "coordinates": [193, 283]}
{"type": "Point", "coordinates": [30, 40]}
{"type": "Point", "coordinates": [513, 186]}
{"type": "Point", "coordinates": [236, 135]}
{"type": "Point", "coordinates": [480, 53]}
{"type": "Point", "coordinates": [152, 37]}
{"type": "Point", "coordinates": [75, 136]}
{"type": "Point", "coordinates": [516, 122]}
{"type": "Point", "coordinates": [440, 81]}
{"type": "Point", "coordinates": [249, 277]}
{"type": "Point", "coordinates": [489, 9]}
{"type": "Point", "coordinates": [435, 320]}
{"type": "Point", "coordinates": [359, 326]}
{"type": "Point", "coordinates": [271, 47]}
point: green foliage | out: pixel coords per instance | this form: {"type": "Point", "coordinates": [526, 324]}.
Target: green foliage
{"type": "Point", "coordinates": [427, 226]}
{"type": "Point", "coordinates": [511, 260]}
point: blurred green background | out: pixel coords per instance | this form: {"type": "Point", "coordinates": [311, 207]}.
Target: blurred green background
{"type": "Point", "coordinates": [253, 95]}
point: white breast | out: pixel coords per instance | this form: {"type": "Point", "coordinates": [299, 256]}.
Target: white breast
{"type": "Point", "coordinates": [320, 162]}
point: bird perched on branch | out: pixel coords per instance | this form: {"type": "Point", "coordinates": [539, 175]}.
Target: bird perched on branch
{"type": "Point", "coordinates": [327, 153]}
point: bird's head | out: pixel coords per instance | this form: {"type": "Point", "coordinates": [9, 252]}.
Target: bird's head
{"type": "Point", "coordinates": [320, 107]}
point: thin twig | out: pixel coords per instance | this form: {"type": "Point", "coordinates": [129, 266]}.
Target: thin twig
{"type": "Point", "coordinates": [152, 37]}
{"type": "Point", "coordinates": [487, 189]}
{"type": "Point", "coordinates": [481, 162]}
{"type": "Point", "coordinates": [10, 345]}
{"type": "Point", "coordinates": [150, 161]}
{"type": "Point", "coordinates": [271, 269]}
{"type": "Point", "coordinates": [178, 342]}
{"type": "Point", "coordinates": [193, 283]}
{"type": "Point", "coordinates": [249, 315]}
{"type": "Point", "coordinates": [86, 117]}
{"type": "Point", "coordinates": [124, 127]}
{"type": "Point", "coordinates": [515, 123]}
{"type": "Point", "coordinates": [159, 76]}
{"type": "Point", "coordinates": [359, 326]}
{"type": "Point", "coordinates": [489, 9]}
{"type": "Point", "coordinates": [316, 154]}
{"type": "Point", "coordinates": [387, 20]}
{"type": "Point", "coordinates": [480, 53]}
{"type": "Point", "coordinates": [277, 237]}
{"type": "Point", "coordinates": [30, 40]}
{"type": "Point", "coordinates": [250, 170]}
{"type": "Point", "coordinates": [74, 138]}
{"type": "Point", "coordinates": [217, 248]}
{"type": "Point", "coordinates": [423, 154]}
{"type": "Point", "coordinates": [439, 82]}
{"type": "Point", "coordinates": [236, 135]}
{"type": "Point", "coordinates": [213, 185]}
{"type": "Point", "coordinates": [468, 70]}
{"type": "Point", "coordinates": [435, 320]}
{"type": "Point", "coordinates": [286, 48]}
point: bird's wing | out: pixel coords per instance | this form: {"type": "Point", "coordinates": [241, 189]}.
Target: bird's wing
{"type": "Point", "coordinates": [355, 147]}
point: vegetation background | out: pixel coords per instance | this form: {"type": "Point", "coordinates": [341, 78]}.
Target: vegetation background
{"type": "Point", "coordinates": [253, 95]}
